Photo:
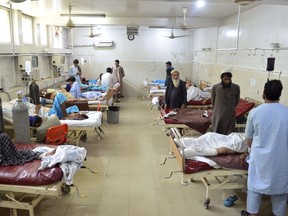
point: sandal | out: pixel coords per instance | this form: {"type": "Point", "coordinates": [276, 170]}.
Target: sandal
{"type": "Point", "coordinates": [229, 202]}
{"type": "Point", "coordinates": [245, 213]}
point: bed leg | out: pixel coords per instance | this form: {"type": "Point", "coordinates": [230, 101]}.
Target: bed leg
{"type": "Point", "coordinates": [171, 173]}
{"type": "Point", "coordinates": [169, 157]}
{"type": "Point", "coordinates": [98, 131]}
{"type": "Point", "coordinates": [184, 181]}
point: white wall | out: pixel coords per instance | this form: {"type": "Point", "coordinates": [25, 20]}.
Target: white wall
{"type": "Point", "coordinates": [259, 27]}
{"type": "Point", "coordinates": [142, 58]}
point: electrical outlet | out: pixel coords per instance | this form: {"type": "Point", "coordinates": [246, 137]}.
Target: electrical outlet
{"type": "Point", "coordinates": [253, 82]}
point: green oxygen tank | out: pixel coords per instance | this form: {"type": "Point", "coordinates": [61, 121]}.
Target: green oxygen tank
{"type": "Point", "coordinates": [1, 116]}
{"type": "Point", "coordinates": [21, 121]}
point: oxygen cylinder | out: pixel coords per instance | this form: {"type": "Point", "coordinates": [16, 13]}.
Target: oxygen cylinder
{"type": "Point", "coordinates": [21, 121]}
{"type": "Point", "coordinates": [1, 116]}
{"type": "Point", "coordinates": [34, 93]}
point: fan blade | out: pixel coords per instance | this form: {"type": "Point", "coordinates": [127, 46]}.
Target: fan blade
{"type": "Point", "coordinates": [85, 15]}
{"type": "Point", "coordinates": [181, 36]}
{"type": "Point", "coordinates": [94, 35]}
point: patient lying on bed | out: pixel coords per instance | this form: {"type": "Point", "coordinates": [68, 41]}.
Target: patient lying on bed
{"type": "Point", "coordinates": [196, 94]}
{"type": "Point", "coordinates": [69, 157]}
{"type": "Point", "coordinates": [212, 144]}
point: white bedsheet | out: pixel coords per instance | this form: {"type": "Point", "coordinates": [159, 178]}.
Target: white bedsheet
{"type": "Point", "coordinates": [94, 120]}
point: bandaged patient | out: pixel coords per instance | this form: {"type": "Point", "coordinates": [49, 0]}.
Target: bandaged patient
{"type": "Point", "coordinates": [212, 144]}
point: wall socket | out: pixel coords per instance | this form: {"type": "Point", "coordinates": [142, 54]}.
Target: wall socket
{"type": "Point", "coordinates": [253, 82]}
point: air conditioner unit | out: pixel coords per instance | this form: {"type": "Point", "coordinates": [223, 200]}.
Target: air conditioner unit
{"type": "Point", "coordinates": [103, 44]}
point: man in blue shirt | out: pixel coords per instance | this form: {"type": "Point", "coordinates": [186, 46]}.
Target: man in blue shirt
{"type": "Point", "coordinates": [75, 89]}
{"type": "Point", "coordinates": [267, 136]}
{"type": "Point", "coordinates": [169, 69]}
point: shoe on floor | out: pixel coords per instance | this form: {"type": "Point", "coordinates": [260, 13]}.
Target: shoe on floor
{"type": "Point", "coordinates": [229, 202]}
{"type": "Point", "coordinates": [245, 213]}
{"type": "Point", "coordinates": [122, 96]}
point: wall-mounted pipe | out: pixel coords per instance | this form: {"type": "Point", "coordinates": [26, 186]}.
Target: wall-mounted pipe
{"type": "Point", "coordinates": [238, 27]}
{"type": "Point", "coordinates": [12, 28]}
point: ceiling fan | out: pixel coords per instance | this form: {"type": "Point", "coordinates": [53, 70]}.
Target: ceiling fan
{"type": "Point", "coordinates": [92, 35]}
{"type": "Point", "coordinates": [172, 36]}
{"type": "Point", "coordinates": [184, 26]}
{"type": "Point", "coordinates": [244, 2]}
{"type": "Point", "coordinates": [70, 24]}
{"type": "Point", "coordinates": [20, 1]}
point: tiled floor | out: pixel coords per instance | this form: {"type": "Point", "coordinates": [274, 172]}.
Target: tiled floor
{"type": "Point", "coordinates": [130, 180]}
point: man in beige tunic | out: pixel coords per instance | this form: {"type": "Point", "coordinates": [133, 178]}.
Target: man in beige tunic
{"type": "Point", "coordinates": [225, 97]}
{"type": "Point", "coordinates": [118, 75]}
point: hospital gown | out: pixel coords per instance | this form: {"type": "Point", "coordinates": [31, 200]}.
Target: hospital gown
{"type": "Point", "coordinates": [75, 90]}
{"type": "Point", "coordinates": [267, 125]}
{"type": "Point", "coordinates": [56, 108]}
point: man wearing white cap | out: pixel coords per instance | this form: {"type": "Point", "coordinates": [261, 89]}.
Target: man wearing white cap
{"type": "Point", "coordinates": [176, 93]}
{"type": "Point", "coordinates": [225, 97]}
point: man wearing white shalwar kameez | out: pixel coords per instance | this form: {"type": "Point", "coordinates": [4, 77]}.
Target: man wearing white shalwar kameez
{"type": "Point", "coordinates": [267, 135]}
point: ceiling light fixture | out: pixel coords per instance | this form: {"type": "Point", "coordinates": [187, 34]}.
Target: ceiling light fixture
{"type": "Point", "coordinates": [200, 3]}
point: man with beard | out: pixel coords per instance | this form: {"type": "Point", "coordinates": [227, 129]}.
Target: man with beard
{"type": "Point", "coordinates": [225, 97]}
{"type": "Point", "coordinates": [176, 93]}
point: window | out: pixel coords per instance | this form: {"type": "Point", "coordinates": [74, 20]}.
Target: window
{"type": "Point", "coordinates": [27, 27]}
{"type": "Point", "coordinates": [43, 35]}
{"type": "Point", "coordinates": [5, 35]}
{"type": "Point", "coordinates": [58, 37]}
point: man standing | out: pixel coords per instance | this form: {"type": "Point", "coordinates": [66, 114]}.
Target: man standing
{"type": "Point", "coordinates": [75, 70]}
{"type": "Point", "coordinates": [169, 69]}
{"type": "Point", "coordinates": [267, 136]}
{"type": "Point", "coordinates": [225, 97]}
{"type": "Point", "coordinates": [118, 75]}
{"type": "Point", "coordinates": [176, 93]}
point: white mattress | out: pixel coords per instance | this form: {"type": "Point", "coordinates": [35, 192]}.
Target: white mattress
{"type": "Point", "coordinates": [93, 121]}
{"type": "Point", "coordinates": [157, 91]}
{"type": "Point", "coordinates": [96, 102]}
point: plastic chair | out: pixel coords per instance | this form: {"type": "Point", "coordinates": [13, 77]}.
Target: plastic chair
{"type": "Point", "coordinates": [57, 135]}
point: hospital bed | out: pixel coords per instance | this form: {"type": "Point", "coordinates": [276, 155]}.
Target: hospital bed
{"type": "Point", "coordinates": [199, 120]}
{"type": "Point", "coordinates": [202, 104]}
{"type": "Point", "coordinates": [24, 186]}
{"type": "Point", "coordinates": [77, 129]}
{"type": "Point", "coordinates": [205, 87]}
{"type": "Point", "coordinates": [154, 88]}
{"type": "Point", "coordinates": [229, 174]}
{"type": "Point", "coordinates": [88, 104]}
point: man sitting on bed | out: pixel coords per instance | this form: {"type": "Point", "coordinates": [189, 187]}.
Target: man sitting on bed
{"type": "Point", "coordinates": [212, 144]}
{"type": "Point", "coordinates": [75, 89]}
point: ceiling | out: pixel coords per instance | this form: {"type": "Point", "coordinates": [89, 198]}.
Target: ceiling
{"type": "Point", "coordinates": [140, 12]}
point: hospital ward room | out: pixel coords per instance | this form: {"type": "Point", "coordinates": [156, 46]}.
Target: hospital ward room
{"type": "Point", "coordinates": [143, 108]}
